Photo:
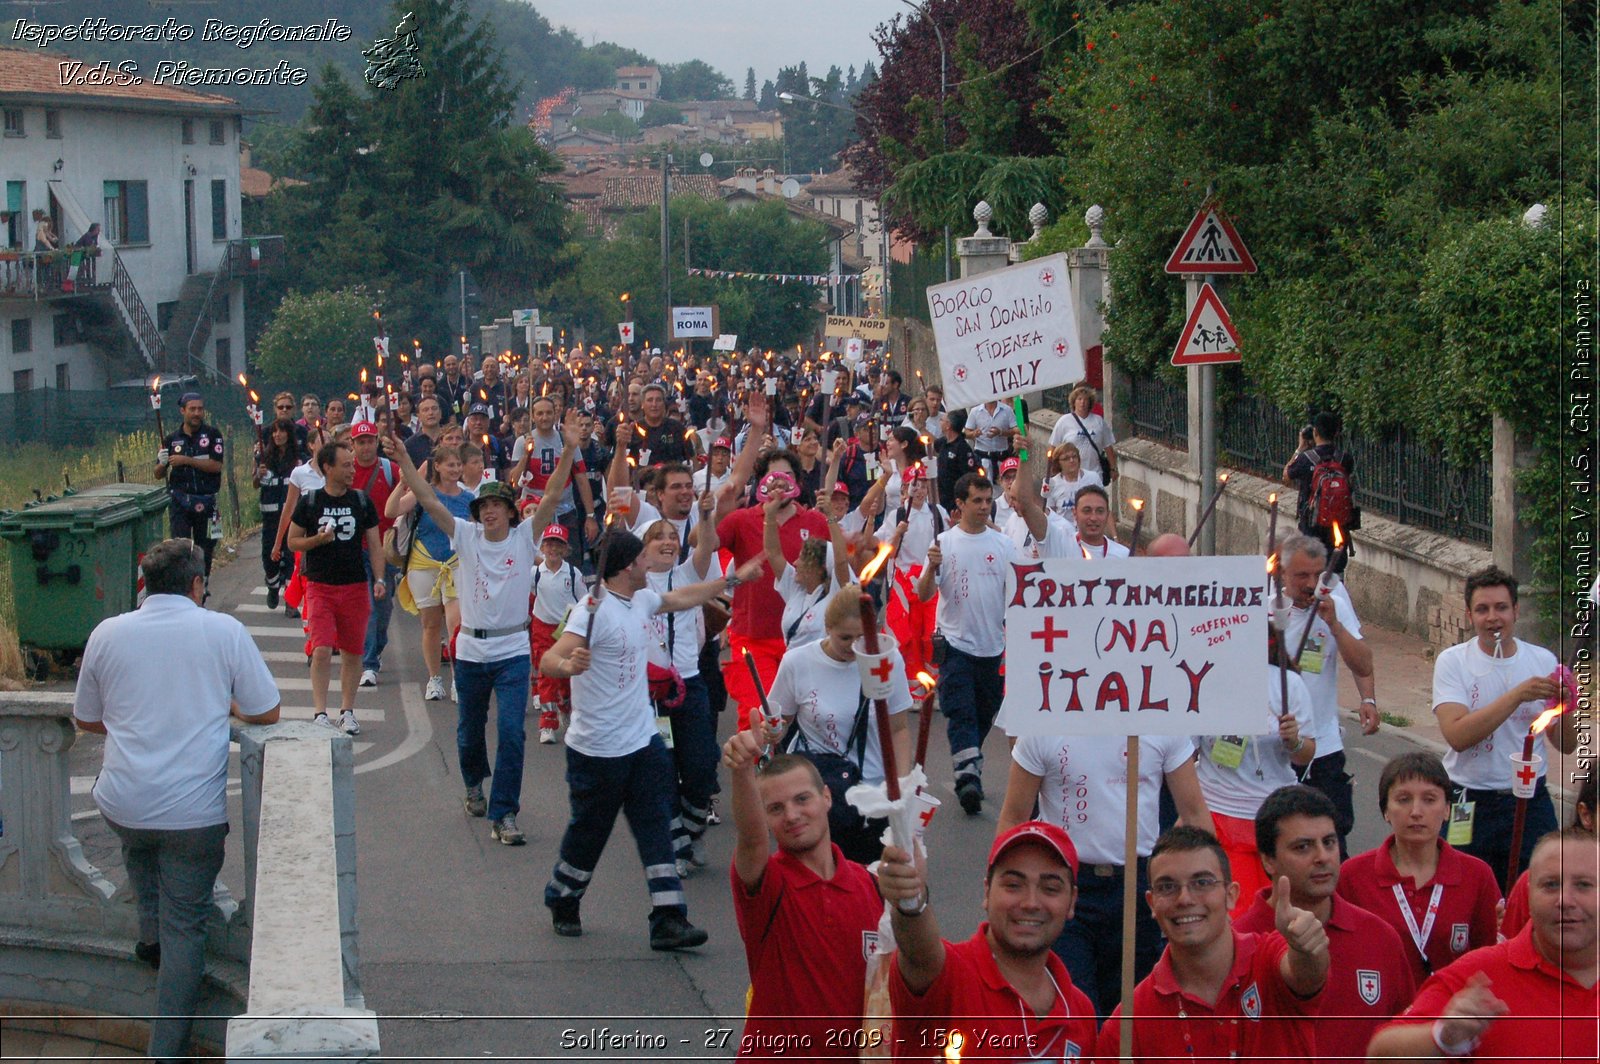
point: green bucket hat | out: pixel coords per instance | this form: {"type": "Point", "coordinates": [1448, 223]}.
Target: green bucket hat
{"type": "Point", "coordinates": [495, 489]}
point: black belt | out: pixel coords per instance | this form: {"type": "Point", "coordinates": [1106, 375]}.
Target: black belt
{"type": "Point", "coordinates": [1105, 871]}
{"type": "Point", "coordinates": [495, 633]}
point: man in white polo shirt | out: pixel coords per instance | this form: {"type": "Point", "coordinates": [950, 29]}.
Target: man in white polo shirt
{"type": "Point", "coordinates": [968, 564]}
{"type": "Point", "coordinates": [162, 786]}
{"type": "Point", "coordinates": [1092, 510]}
{"type": "Point", "coordinates": [1335, 635]}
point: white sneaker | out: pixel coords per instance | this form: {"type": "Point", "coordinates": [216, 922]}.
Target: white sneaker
{"type": "Point", "coordinates": [369, 678]}
{"type": "Point", "coordinates": [322, 719]}
{"type": "Point", "coordinates": [435, 689]}
{"type": "Point", "coordinates": [547, 736]}
{"type": "Point", "coordinates": [453, 697]}
{"type": "Point", "coordinates": [347, 722]}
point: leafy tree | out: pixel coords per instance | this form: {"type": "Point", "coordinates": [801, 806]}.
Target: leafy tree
{"type": "Point", "coordinates": [318, 339]}
{"type": "Point", "coordinates": [769, 96]}
{"type": "Point", "coordinates": [657, 113]}
{"type": "Point", "coordinates": [750, 83]}
{"type": "Point", "coordinates": [694, 80]}
{"type": "Point", "coordinates": [615, 123]}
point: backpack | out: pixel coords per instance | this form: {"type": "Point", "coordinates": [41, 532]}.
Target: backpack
{"type": "Point", "coordinates": [904, 512]}
{"type": "Point", "coordinates": [1331, 498]}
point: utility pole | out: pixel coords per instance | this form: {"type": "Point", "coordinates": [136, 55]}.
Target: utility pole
{"type": "Point", "coordinates": [666, 249]}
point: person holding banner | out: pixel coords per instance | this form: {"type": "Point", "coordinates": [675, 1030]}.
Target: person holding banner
{"type": "Point", "coordinates": [1219, 993]}
{"type": "Point", "coordinates": [1368, 977]}
{"type": "Point", "coordinates": [1080, 784]}
{"type": "Point", "coordinates": [967, 565]}
{"type": "Point", "coordinates": [1237, 772]}
{"type": "Point", "coordinates": [1001, 994]}
{"type": "Point", "coordinates": [803, 985]}
{"type": "Point", "coordinates": [1011, 521]}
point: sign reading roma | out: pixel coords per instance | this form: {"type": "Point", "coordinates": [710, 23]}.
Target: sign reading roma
{"type": "Point", "coordinates": [1136, 646]}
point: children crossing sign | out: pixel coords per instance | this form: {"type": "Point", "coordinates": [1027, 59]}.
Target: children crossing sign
{"type": "Point", "coordinates": [1210, 245]}
{"type": "Point", "coordinates": [1209, 337]}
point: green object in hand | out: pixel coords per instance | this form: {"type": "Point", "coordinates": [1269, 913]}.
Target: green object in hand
{"type": "Point", "coordinates": [1022, 426]}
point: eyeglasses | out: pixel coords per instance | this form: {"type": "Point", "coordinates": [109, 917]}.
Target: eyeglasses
{"type": "Point", "coordinates": [1198, 886]}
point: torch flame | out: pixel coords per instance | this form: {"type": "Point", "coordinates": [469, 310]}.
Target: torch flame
{"type": "Point", "coordinates": [1272, 563]}
{"type": "Point", "coordinates": [363, 374]}
{"type": "Point", "coordinates": [1137, 504]}
{"type": "Point", "coordinates": [1544, 720]}
{"type": "Point", "coordinates": [642, 433]}
{"type": "Point", "coordinates": [1338, 536]}
{"type": "Point", "coordinates": [952, 1049]}
{"type": "Point", "coordinates": [243, 381]}
{"type": "Point", "coordinates": [254, 398]}
{"type": "Point", "coordinates": [1273, 498]}
{"type": "Point", "coordinates": [928, 683]}
{"type": "Point", "coordinates": [870, 570]}
{"type": "Point", "coordinates": [1223, 479]}
{"type": "Point", "coordinates": [155, 385]}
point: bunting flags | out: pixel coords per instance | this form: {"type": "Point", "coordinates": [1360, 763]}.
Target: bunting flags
{"type": "Point", "coordinates": [831, 279]}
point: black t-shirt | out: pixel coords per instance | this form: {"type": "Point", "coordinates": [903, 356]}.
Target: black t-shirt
{"type": "Point", "coordinates": [665, 442]}
{"type": "Point", "coordinates": [349, 515]}
{"type": "Point", "coordinates": [420, 448]}
{"type": "Point", "coordinates": [955, 460]}
{"type": "Point", "coordinates": [205, 443]}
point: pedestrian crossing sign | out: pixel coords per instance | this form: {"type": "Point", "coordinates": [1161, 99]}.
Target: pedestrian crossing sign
{"type": "Point", "coordinates": [1209, 337]}
{"type": "Point", "coordinates": [1211, 245]}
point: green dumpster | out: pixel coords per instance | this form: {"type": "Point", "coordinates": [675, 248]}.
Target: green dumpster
{"type": "Point", "coordinates": [152, 500]}
{"type": "Point", "coordinates": [72, 566]}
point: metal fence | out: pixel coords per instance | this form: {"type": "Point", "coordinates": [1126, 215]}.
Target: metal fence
{"type": "Point", "coordinates": [1395, 475]}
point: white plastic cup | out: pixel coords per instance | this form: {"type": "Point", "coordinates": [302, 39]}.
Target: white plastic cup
{"type": "Point", "coordinates": [878, 674]}
{"type": "Point", "coordinates": [624, 497]}
{"type": "Point", "coordinates": [926, 805]}
{"type": "Point", "coordinates": [1525, 775]}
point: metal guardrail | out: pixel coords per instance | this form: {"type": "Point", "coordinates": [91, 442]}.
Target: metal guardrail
{"type": "Point", "coordinates": [231, 266]}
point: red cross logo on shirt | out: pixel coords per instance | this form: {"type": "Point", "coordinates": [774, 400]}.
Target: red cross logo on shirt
{"type": "Point", "coordinates": [1526, 775]}
{"type": "Point", "coordinates": [1049, 634]}
{"type": "Point", "coordinates": [882, 670]}
{"type": "Point", "coordinates": [510, 562]}
{"type": "Point", "coordinates": [989, 558]}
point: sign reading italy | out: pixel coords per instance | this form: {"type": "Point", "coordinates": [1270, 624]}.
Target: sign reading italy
{"type": "Point", "coordinates": [1006, 332]}
{"type": "Point", "coordinates": [1136, 646]}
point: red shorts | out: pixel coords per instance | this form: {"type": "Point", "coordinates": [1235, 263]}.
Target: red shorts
{"type": "Point", "coordinates": [736, 674]}
{"type": "Point", "coordinates": [555, 692]}
{"type": "Point", "coordinates": [337, 615]}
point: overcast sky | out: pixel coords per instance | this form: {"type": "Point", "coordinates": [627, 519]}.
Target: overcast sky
{"type": "Point", "coordinates": [732, 35]}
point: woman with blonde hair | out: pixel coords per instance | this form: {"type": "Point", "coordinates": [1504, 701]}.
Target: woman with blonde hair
{"type": "Point", "coordinates": [1089, 433]}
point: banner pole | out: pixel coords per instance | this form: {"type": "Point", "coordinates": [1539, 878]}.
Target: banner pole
{"type": "Point", "coordinates": [1130, 897]}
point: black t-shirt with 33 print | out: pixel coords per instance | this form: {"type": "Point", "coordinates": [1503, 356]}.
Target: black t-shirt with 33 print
{"type": "Point", "coordinates": [349, 515]}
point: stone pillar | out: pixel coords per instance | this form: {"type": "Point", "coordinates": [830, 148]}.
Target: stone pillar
{"type": "Point", "coordinates": [1511, 537]}
{"type": "Point", "coordinates": [983, 251]}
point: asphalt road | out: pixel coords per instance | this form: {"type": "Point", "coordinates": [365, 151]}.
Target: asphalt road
{"type": "Point", "coordinates": [457, 954]}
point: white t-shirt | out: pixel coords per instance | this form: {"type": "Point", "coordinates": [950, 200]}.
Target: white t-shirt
{"type": "Point", "coordinates": [824, 695]}
{"type": "Point", "coordinates": [166, 751]}
{"type": "Point", "coordinates": [1319, 668]}
{"type": "Point", "coordinates": [644, 515]}
{"type": "Point", "coordinates": [1067, 430]}
{"type": "Point", "coordinates": [306, 477]}
{"type": "Point", "coordinates": [1466, 675]}
{"type": "Point", "coordinates": [1265, 765]}
{"type": "Point", "coordinates": [703, 475]}
{"type": "Point", "coordinates": [554, 593]}
{"type": "Point", "coordinates": [1077, 548]}
{"type": "Point", "coordinates": [1055, 542]}
{"type": "Point", "coordinates": [1083, 787]}
{"type": "Point", "coordinates": [681, 631]}
{"type": "Point", "coordinates": [806, 607]}
{"type": "Point", "coordinates": [972, 590]}
{"type": "Point", "coordinates": [493, 585]}
{"type": "Point", "coordinates": [1061, 494]}
{"type": "Point", "coordinates": [611, 714]}
{"type": "Point", "coordinates": [919, 534]}
{"type": "Point", "coordinates": [1003, 418]}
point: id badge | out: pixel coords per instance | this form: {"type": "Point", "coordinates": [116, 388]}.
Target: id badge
{"type": "Point", "coordinates": [1311, 660]}
{"type": "Point", "coordinates": [1461, 817]}
{"type": "Point", "coordinates": [1228, 751]}
{"type": "Point", "coordinates": [664, 726]}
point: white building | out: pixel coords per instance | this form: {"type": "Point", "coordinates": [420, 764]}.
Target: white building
{"type": "Point", "coordinates": [158, 168]}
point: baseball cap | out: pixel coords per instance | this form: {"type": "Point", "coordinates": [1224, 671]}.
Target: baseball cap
{"type": "Point", "coordinates": [495, 489]}
{"type": "Point", "coordinates": [363, 428]}
{"type": "Point", "coordinates": [913, 472]}
{"type": "Point", "coordinates": [841, 488]}
{"type": "Point", "coordinates": [1010, 465]}
{"type": "Point", "coordinates": [1057, 840]}
{"type": "Point", "coordinates": [478, 408]}
{"type": "Point", "coordinates": [555, 532]}
{"type": "Point", "coordinates": [724, 443]}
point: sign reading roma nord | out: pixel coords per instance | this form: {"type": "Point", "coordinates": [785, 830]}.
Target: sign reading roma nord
{"type": "Point", "coordinates": [1136, 646]}
{"type": "Point", "coordinates": [841, 327]}
{"type": "Point", "coordinates": [1006, 332]}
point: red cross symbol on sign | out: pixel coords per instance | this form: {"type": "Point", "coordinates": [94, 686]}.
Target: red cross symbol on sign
{"type": "Point", "coordinates": [1526, 775]}
{"type": "Point", "coordinates": [961, 373]}
{"type": "Point", "coordinates": [1061, 347]}
{"type": "Point", "coordinates": [1046, 277]}
{"type": "Point", "coordinates": [1049, 634]}
{"type": "Point", "coordinates": [882, 670]}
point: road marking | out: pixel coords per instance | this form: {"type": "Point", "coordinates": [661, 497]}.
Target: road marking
{"type": "Point", "coordinates": [365, 716]}
{"type": "Point", "coordinates": [419, 731]}
{"type": "Point", "coordinates": [283, 657]}
{"type": "Point", "coordinates": [1379, 758]}
{"type": "Point", "coordinates": [263, 632]}
{"type": "Point", "coordinates": [255, 607]}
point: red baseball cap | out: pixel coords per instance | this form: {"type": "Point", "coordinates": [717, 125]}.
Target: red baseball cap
{"type": "Point", "coordinates": [1010, 465]}
{"type": "Point", "coordinates": [363, 428]}
{"type": "Point", "coordinates": [555, 532]}
{"type": "Point", "coordinates": [1048, 835]}
{"type": "Point", "coordinates": [913, 472]}
{"type": "Point", "coordinates": [841, 488]}
{"type": "Point", "coordinates": [723, 442]}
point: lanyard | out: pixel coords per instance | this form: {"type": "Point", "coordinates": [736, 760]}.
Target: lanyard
{"type": "Point", "coordinates": [1420, 937]}
{"type": "Point", "coordinates": [1105, 548]}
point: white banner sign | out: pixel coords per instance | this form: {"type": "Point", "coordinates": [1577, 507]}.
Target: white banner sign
{"type": "Point", "coordinates": [522, 318]}
{"type": "Point", "coordinates": [1006, 332]}
{"type": "Point", "coordinates": [544, 334]}
{"type": "Point", "coordinates": [726, 342]}
{"type": "Point", "coordinates": [1136, 646]}
{"type": "Point", "coordinates": [693, 323]}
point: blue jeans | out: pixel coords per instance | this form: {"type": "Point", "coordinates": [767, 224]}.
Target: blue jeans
{"type": "Point", "coordinates": [970, 690]}
{"type": "Point", "coordinates": [1091, 943]}
{"type": "Point", "coordinates": [508, 679]}
{"type": "Point", "coordinates": [694, 750]}
{"type": "Point", "coordinates": [640, 786]}
{"type": "Point", "coordinates": [172, 874]}
{"type": "Point", "coordinates": [378, 622]}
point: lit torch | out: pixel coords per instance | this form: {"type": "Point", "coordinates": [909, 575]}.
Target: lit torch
{"type": "Point", "coordinates": [1325, 585]}
{"type": "Point", "coordinates": [924, 717]}
{"type": "Point", "coordinates": [1138, 523]}
{"type": "Point", "coordinates": [155, 404]}
{"type": "Point", "coordinates": [1524, 781]}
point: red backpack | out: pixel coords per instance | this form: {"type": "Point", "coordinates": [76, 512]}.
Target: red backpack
{"type": "Point", "coordinates": [1331, 496]}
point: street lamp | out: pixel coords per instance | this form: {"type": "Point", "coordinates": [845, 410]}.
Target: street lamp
{"type": "Point", "coordinates": [938, 34]}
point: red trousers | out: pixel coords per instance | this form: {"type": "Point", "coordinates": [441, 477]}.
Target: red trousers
{"type": "Point", "coordinates": [911, 621]}
{"type": "Point", "coordinates": [553, 692]}
{"type": "Point", "coordinates": [736, 674]}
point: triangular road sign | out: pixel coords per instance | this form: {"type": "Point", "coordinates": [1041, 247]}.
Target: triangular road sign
{"type": "Point", "coordinates": [1211, 245]}
{"type": "Point", "coordinates": [1209, 337]}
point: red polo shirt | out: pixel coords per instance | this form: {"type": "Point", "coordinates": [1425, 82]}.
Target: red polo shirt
{"type": "Point", "coordinates": [1255, 1017]}
{"type": "Point", "coordinates": [1369, 978]}
{"type": "Point", "coordinates": [806, 941]}
{"type": "Point", "coordinates": [1552, 1016]}
{"type": "Point", "coordinates": [757, 607]}
{"type": "Point", "coordinates": [971, 997]}
{"type": "Point", "coordinates": [1466, 915]}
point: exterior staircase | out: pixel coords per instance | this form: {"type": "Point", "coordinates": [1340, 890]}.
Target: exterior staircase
{"type": "Point", "coordinates": [189, 327]}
